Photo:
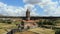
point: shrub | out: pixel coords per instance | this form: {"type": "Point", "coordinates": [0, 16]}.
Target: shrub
{"type": "Point", "coordinates": [57, 31]}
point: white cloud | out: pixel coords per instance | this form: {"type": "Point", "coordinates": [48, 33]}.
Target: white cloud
{"type": "Point", "coordinates": [29, 6]}
{"type": "Point", "coordinates": [51, 8]}
{"type": "Point", "coordinates": [16, 11]}
{"type": "Point", "coordinates": [11, 10]}
{"type": "Point", "coordinates": [57, 11]}
{"type": "Point", "coordinates": [34, 14]}
{"type": "Point", "coordinates": [31, 1]}
{"type": "Point", "coordinates": [32, 9]}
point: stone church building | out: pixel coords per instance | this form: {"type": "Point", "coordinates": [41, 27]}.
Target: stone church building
{"type": "Point", "coordinates": [28, 23]}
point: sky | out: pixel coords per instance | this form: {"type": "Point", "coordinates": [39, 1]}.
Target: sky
{"type": "Point", "coordinates": [36, 7]}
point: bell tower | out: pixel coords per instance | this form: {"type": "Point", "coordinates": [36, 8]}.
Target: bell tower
{"type": "Point", "coordinates": [27, 15]}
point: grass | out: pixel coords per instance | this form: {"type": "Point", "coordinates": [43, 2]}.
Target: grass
{"type": "Point", "coordinates": [25, 32]}
{"type": "Point", "coordinates": [4, 28]}
{"type": "Point", "coordinates": [2, 31]}
{"type": "Point", "coordinates": [42, 31]}
{"type": "Point", "coordinates": [37, 31]}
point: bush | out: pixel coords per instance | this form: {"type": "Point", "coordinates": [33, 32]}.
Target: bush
{"type": "Point", "coordinates": [7, 21]}
{"type": "Point", "coordinates": [57, 31]}
{"type": "Point", "coordinates": [46, 22]}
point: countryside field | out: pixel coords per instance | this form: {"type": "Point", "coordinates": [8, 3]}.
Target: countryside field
{"type": "Point", "coordinates": [8, 26]}
{"type": "Point", "coordinates": [4, 28]}
{"type": "Point", "coordinates": [37, 31]}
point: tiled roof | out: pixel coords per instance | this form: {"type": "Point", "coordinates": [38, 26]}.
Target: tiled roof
{"type": "Point", "coordinates": [29, 21]}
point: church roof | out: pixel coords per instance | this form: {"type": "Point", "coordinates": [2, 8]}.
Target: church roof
{"type": "Point", "coordinates": [29, 21]}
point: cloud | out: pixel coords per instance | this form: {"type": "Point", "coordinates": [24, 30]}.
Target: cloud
{"type": "Point", "coordinates": [15, 11]}
{"type": "Point", "coordinates": [11, 10]}
{"type": "Point", "coordinates": [32, 9]}
{"type": "Point", "coordinates": [31, 1]}
{"type": "Point", "coordinates": [29, 6]}
{"type": "Point", "coordinates": [57, 11]}
{"type": "Point", "coordinates": [50, 7]}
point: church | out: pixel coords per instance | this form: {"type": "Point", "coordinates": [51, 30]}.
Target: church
{"type": "Point", "coordinates": [28, 23]}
